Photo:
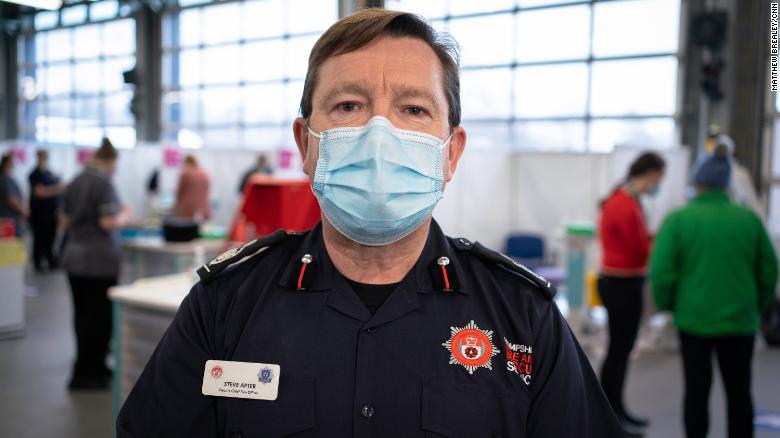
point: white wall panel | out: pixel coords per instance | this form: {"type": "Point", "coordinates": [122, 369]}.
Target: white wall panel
{"type": "Point", "coordinates": [476, 202]}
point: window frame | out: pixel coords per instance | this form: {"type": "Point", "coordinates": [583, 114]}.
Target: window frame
{"type": "Point", "coordinates": [171, 124]}
{"type": "Point", "coordinates": [26, 109]}
{"type": "Point", "coordinates": [589, 60]}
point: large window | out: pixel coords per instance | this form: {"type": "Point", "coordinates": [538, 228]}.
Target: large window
{"type": "Point", "coordinates": [71, 87]}
{"type": "Point", "coordinates": [563, 74]}
{"type": "Point", "coordinates": [233, 72]}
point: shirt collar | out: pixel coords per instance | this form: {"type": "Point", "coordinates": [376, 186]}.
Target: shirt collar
{"type": "Point", "coordinates": [91, 169]}
{"type": "Point", "coordinates": [714, 195]}
{"type": "Point", "coordinates": [311, 269]}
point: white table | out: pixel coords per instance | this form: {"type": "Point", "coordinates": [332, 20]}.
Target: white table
{"type": "Point", "coordinates": [152, 256]}
{"type": "Point", "coordinates": [143, 310]}
{"type": "Point", "coordinates": [12, 261]}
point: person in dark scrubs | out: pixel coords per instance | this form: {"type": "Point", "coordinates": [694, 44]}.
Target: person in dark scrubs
{"type": "Point", "coordinates": [94, 214]}
{"type": "Point", "coordinates": [373, 323]}
{"type": "Point", "coordinates": [45, 198]}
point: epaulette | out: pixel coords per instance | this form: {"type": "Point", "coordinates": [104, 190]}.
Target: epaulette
{"type": "Point", "coordinates": [235, 255]}
{"type": "Point", "coordinates": [507, 263]}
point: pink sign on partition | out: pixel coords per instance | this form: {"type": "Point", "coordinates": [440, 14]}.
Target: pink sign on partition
{"type": "Point", "coordinates": [285, 159]}
{"type": "Point", "coordinates": [172, 157]}
{"type": "Point", "coordinates": [83, 155]}
{"type": "Point", "coordinates": [19, 153]}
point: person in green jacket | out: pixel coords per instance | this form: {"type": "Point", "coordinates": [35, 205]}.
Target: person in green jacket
{"type": "Point", "coordinates": [714, 267]}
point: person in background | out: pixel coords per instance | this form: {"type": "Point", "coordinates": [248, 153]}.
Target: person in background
{"type": "Point", "coordinates": [192, 194]}
{"type": "Point", "coordinates": [152, 190]}
{"type": "Point", "coordinates": [713, 265]}
{"type": "Point", "coordinates": [11, 205]}
{"type": "Point", "coordinates": [261, 167]}
{"type": "Point", "coordinates": [741, 188]}
{"type": "Point", "coordinates": [153, 183]}
{"type": "Point", "coordinates": [45, 193]}
{"type": "Point", "coordinates": [93, 214]}
{"type": "Point", "coordinates": [625, 244]}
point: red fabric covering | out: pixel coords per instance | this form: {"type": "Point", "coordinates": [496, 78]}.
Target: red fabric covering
{"type": "Point", "coordinates": [270, 203]}
{"type": "Point", "coordinates": [7, 228]}
{"type": "Point", "coordinates": [625, 241]}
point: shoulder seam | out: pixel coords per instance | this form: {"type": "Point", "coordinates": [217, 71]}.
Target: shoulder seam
{"type": "Point", "coordinates": [506, 263]}
{"type": "Point", "coordinates": [239, 254]}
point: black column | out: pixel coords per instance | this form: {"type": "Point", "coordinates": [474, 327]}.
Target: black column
{"type": "Point", "coordinates": [148, 89]}
{"type": "Point", "coordinates": [8, 77]}
{"type": "Point", "coordinates": [749, 84]}
{"type": "Point", "coordinates": [692, 118]}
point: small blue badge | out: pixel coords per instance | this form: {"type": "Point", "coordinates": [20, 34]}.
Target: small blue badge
{"type": "Point", "coordinates": [266, 375]}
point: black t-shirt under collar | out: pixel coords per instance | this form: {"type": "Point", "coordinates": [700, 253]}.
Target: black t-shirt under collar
{"type": "Point", "coordinates": [372, 295]}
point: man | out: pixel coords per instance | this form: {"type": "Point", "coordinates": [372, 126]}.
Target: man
{"type": "Point", "coordinates": [11, 205]}
{"type": "Point", "coordinates": [713, 265]}
{"type": "Point", "coordinates": [45, 194]}
{"type": "Point", "coordinates": [261, 167]}
{"type": "Point", "coordinates": [373, 323]}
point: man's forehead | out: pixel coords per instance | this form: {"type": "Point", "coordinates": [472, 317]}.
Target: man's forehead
{"type": "Point", "coordinates": [403, 64]}
{"type": "Point", "coordinates": [389, 46]}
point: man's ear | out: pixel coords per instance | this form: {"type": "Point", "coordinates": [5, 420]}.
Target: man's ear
{"type": "Point", "coordinates": [301, 133]}
{"type": "Point", "coordinates": [455, 150]}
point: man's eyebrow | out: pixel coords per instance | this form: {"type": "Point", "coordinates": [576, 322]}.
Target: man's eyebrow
{"type": "Point", "coordinates": [402, 91]}
{"type": "Point", "coordinates": [346, 87]}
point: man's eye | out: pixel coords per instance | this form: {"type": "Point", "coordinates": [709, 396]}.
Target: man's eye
{"type": "Point", "coordinates": [415, 111]}
{"type": "Point", "coordinates": [347, 106]}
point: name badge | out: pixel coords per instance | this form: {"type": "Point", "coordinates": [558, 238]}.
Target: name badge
{"type": "Point", "coordinates": [258, 381]}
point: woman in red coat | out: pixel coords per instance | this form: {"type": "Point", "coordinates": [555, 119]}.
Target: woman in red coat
{"type": "Point", "coordinates": [625, 247]}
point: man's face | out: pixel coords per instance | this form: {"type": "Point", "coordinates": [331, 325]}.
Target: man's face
{"type": "Point", "coordinates": [398, 78]}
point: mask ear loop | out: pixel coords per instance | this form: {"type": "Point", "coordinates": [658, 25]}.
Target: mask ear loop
{"type": "Point", "coordinates": [314, 133]}
{"type": "Point", "coordinates": [446, 142]}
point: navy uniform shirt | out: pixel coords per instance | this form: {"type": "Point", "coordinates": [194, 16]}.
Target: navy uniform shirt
{"type": "Point", "coordinates": [466, 346]}
{"type": "Point", "coordinates": [43, 206]}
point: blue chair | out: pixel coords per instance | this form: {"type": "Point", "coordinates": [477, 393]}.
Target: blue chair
{"type": "Point", "coordinates": [529, 250]}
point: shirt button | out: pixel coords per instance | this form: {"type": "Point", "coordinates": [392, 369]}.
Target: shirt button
{"type": "Point", "coordinates": [236, 435]}
{"type": "Point", "coordinates": [371, 329]}
{"type": "Point", "coordinates": [367, 411]}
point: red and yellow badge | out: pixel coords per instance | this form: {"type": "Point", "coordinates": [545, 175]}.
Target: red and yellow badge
{"type": "Point", "coordinates": [471, 347]}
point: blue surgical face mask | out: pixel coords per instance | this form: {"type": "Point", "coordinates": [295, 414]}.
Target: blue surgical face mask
{"type": "Point", "coordinates": [377, 183]}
